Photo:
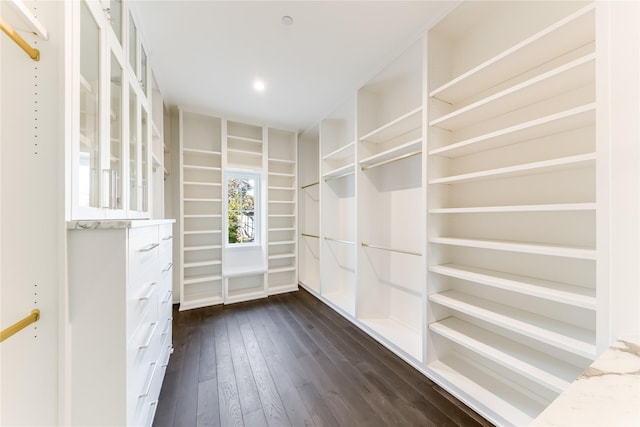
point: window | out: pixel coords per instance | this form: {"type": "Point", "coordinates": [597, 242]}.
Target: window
{"type": "Point", "coordinates": [243, 208]}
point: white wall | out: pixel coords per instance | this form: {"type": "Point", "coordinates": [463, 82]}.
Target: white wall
{"type": "Point", "coordinates": [32, 217]}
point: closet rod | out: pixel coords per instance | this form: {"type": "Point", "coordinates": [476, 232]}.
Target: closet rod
{"type": "Point", "coordinates": [310, 235]}
{"type": "Point", "coordinates": [339, 176]}
{"type": "Point", "coordinates": [20, 324]}
{"type": "Point", "coordinates": [339, 241]}
{"type": "Point", "coordinates": [310, 185]}
{"type": "Point", "coordinates": [8, 30]}
{"type": "Point", "coordinates": [366, 245]}
{"type": "Point", "coordinates": [384, 162]}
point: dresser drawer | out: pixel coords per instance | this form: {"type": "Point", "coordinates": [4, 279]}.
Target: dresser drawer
{"type": "Point", "coordinates": [143, 254]}
{"type": "Point", "coordinates": [142, 306]}
{"type": "Point", "coordinates": [165, 238]}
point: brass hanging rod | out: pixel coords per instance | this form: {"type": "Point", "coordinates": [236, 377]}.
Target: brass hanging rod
{"type": "Point", "coordinates": [329, 178]}
{"type": "Point", "coordinates": [310, 235]}
{"type": "Point", "coordinates": [384, 162]}
{"type": "Point", "coordinates": [21, 324]}
{"type": "Point", "coordinates": [366, 245]}
{"type": "Point", "coordinates": [339, 241]}
{"type": "Point", "coordinates": [310, 185]}
{"type": "Point", "coordinates": [13, 35]}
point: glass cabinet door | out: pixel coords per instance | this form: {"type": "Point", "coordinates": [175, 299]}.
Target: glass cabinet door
{"type": "Point", "coordinates": [133, 150]}
{"type": "Point", "coordinates": [115, 136]}
{"type": "Point", "coordinates": [144, 161]}
{"type": "Point", "coordinates": [88, 177]}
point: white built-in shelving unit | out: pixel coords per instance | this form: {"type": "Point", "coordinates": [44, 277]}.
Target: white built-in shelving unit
{"type": "Point", "coordinates": [213, 270]}
{"type": "Point", "coordinates": [282, 212]}
{"type": "Point", "coordinates": [391, 200]}
{"type": "Point", "coordinates": [338, 208]}
{"type": "Point", "coordinates": [512, 204]}
{"type": "Point", "coordinates": [201, 210]}
{"type": "Point", "coordinates": [309, 210]}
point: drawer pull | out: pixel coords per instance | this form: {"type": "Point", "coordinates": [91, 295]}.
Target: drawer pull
{"type": "Point", "coordinates": [149, 415]}
{"type": "Point", "coordinates": [150, 247]}
{"type": "Point", "coordinates": [168, 298]}
{"type": "Point", "coordinates": [168, 267]}
{"type": "Point", "coordinates": [152, 371]}
{"type": "Point", "coordinates": [166, 330]}
{"type": "Point", "coordinates": [169, 237]}
{"type": "Point", "coordinates": [152, 327]}
{"type": "Point", "coordinates": [151, 291]}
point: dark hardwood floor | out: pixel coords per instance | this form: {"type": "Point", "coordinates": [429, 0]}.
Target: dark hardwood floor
{"type": "Point", "coordinates": [290, 360]}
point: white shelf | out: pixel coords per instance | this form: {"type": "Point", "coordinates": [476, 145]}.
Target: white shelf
{"type": "Point", "coordinates": [281, 269]}
{"type": "Point", "coordinates": [282, 256]}
{"type": "Point", "coordinates": [554, 207]}
{"type": "Point", "coordinates": [341, 153]}
{"type": "Point", "coordinates": [191, 199]}
{"type": "Point", "coordinates": [282, 202]}
{"type": "Point", "coordinates": [202, 168]}
{"type": "Point", "coordinates": [202, 263]}
{"type": "Point", "coordinates": [244, 152]}
{"type": "Point", "coordinates": [575, 74]}
{"type": "Point", "coordinates": [288, 175]}
{"type": "Point", "coordinates": [199, 151]}
{"type": "Point", "coordinates": [190, 304]}
{"type": "Point", "coordinates": [397, 127]}
{"type": "Point", "coordinates": [554, 291]}
{"type": "Point", "coordinates": [245, 139]}
{"type": "Point", "coordinates": [195, 232]}
{"type": "Point", "coordinates": [25, 19]}
{"type": "Point", "coordinates": [201, 248]}
{"type": "Point", "coordinates": [392, 153]}
{"type": "Point", "coordinates": [545, 166]}
{"type": "Point", "coordinates": [538, 367]}
{"type": "Point", "coordinates": [522, 247]}
{"type": "Point", "coordinates": [286, 242]}
{"type": "Point", "coordinates": [346, 169]}
{"type": "Point", "coordinates": [563, 36]}
{"type": "Point", "coordinates": [282, 161]}
{"type": "Point", "coordinates": [561, 335]}
{"type": "Point", "coordinates": [282, 215]}
{"type": "Point", "coordinates": [485, 390]}
{"type": "Point", "coordinates": [342, 299]}
{"type": "Point", "coordinates": [563, 121]}
{"type": "Point", "coordinates": [400, 335]}
{"type": "Point", "coordinates": [201, 279]}
{"type": "Point", "coordinates": [208, 184]}
{"type": "Point", "coordinates": [187, 216]}
{"type": "Point", "coordinates": [282, 229]}
{"type": "Point", "coordinates": [282, 188]}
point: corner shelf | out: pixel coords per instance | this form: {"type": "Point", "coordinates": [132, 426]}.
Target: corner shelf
{"type": "Point", "coordinates": [341, 153]}
{"type": "Point", "coordinates": [339, 172]}
{"type": "Point", "coordinates": [392, 153]}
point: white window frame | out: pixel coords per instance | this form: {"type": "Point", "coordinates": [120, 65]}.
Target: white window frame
{"type": "Point", "coordinates": [257, 206]}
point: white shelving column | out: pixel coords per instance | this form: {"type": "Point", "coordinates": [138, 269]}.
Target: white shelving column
{"type": "Point", "coordinates": [391, 205]}
{"type": "Point", "coordinates": [309, 211]}
{"type": "Point", "coordinates": [338, 208]}
{"type": "Point", "coordinates": [281, 205]}
{"type": "Point", "coordinates": [201, 210]}
{"type": "Point", "coordinates": [512, 204]}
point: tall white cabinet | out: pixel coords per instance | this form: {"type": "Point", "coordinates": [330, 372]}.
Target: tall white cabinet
{"type": "Point", "coordinates": [461, 194]}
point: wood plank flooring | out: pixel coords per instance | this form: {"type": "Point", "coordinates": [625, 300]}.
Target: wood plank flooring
{"type": "Point", "coordinates": [290, 360]}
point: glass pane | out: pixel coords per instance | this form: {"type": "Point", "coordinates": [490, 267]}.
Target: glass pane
{"type": "Point", "coordinates": [241, 210]}
{"type": "Point", "coordinates": [133, 150]}
{"type": "Point", "coordinates": [133, 47]}
{"type": "Point", "coordinates": [143, 70]}
{"type": "Point", "coordinates": [115, 184]}
{"type": "Point", "coordinates": [115, 15]}
{"type": "Point", "coordinates": [144, 159]}
{"type": "Point", "coordinates": [89, 153]}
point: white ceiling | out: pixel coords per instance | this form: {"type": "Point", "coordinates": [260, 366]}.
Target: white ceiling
{"type": "Point", "coordinates": [206, 54]}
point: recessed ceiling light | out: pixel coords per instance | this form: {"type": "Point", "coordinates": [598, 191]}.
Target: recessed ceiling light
{"type": "Point", "coordinates": [286, 20]}
{"type": "Point", "coordinates": [259, 85]}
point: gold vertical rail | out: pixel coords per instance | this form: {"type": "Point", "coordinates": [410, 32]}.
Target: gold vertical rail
{"type": "Point", "coordinates": [20, 324]}
{"type": "Point", "coordinates": [13, 35]}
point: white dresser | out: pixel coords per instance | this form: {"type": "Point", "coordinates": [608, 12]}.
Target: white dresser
{"type": "Point", "coordinates": [120, 304]}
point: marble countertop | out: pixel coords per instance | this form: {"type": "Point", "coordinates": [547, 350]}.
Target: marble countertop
{"type": "Point", "coordinates": [115, 223]}
{"type": "Point", "coordinates": [606, 394]}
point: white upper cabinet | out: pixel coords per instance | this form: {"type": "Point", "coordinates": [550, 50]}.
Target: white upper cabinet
{"type": "Point", "coordinates": [110, 114]}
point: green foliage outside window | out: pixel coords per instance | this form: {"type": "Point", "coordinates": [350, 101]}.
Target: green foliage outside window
{"type": "Point", "coordinates": [241, 210]}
